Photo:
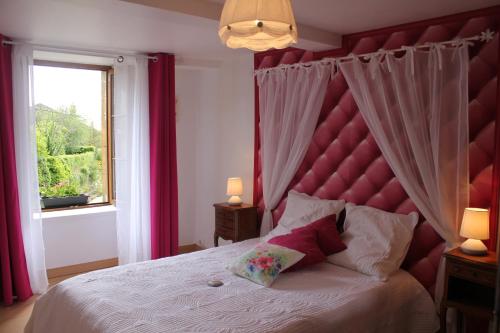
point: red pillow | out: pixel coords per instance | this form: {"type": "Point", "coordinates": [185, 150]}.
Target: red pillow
{"type": "Point", "coordinates": [305, 242]}
{"type": "Point", "coordinates": [329, 240]}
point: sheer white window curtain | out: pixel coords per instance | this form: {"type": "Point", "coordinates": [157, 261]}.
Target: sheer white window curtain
{"type": "Point", "coordinates": [27, 166]}
{"type": "Point", "coordinates": [131, 140]}
{"type": "Point", "coordinates": [290, 101]}
{"type": "Point", "coordinates": [416, 108]}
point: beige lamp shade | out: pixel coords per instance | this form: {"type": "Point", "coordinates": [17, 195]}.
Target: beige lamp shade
{"type": "Point", "coordinates": [475, 224]}
{"type": "Point", "coordinates": [257, 25]}
{"type": "Point", "coordinates": [234, 186]}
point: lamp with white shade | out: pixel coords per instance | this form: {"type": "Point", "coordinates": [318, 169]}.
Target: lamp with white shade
{"type": "Point", "coordinates": [475, 227]}
{"type": "Point", "coordinates": [257, 25]}
{"type": "Point", "coordinates": [234, 190]}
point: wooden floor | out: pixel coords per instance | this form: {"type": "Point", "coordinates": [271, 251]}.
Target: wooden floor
{"type": "Point", "coordinates": [13, 318]}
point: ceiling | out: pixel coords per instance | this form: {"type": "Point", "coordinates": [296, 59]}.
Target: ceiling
{"type": "Point", "coordinates": [110, 25]}
{"type": "Point", "coordinates": [119, 25]}
{"type": "Point", "coordinates": [350, 16]}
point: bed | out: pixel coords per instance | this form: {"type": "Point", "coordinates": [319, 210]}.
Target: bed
{"type": "Point", "coordinates": [172, 295]}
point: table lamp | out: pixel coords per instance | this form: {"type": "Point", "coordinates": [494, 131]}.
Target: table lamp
{"type": "Point", "coordinates": [475, 227]}
{"type": "Point", "coordinates": [234, 190]}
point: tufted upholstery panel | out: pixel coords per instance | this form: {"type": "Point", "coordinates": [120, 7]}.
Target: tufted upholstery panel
{"type": "Point", "coordinates": [343, 160]}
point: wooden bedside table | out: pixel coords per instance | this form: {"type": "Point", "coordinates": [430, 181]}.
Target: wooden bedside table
{"type": "Point", "coordinates": [469, 285]}
{"type": "Point", "coordinates": [235, 223]}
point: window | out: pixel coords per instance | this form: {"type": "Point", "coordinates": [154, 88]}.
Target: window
{"type": "Point", "coordinates": [73, 132]}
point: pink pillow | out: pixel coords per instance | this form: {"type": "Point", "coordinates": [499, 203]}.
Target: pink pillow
{"type": "Point", "coordinates": [305, 242]}
{"type": "Point", "coordinates": [329, 240]}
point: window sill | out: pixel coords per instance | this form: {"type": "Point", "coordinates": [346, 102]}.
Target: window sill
{"type": "Point", "coordinates": [79, 211]}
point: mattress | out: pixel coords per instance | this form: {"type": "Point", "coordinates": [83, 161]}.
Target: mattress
{"type": "Point", "coordinates": [172, 295]}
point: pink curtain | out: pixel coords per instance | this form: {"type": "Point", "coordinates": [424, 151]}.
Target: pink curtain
{"type": "Point", "coordinates": [14, 278]}
{"type": "Point", "coordinates": [163, 161]}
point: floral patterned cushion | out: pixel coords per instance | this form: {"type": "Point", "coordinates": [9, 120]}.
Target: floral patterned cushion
{"type": "Point", "coordinates": [263, 263]}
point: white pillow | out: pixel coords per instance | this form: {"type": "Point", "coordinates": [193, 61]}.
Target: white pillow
{"type": "Point", "coordinates": [301, 210]}
{"type": "Point", "coordinates": [277, 231]}
{"type": "Point", "coordinates": [377, 241]}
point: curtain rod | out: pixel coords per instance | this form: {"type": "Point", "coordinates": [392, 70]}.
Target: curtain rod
{"type": "Point", "coordinates": [119, 55]}
{"type": "Point", "coordinates": [484, 36]}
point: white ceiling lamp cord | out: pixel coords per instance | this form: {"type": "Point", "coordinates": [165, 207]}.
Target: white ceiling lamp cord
{"type": "Point", "coordinates": [484, 36]}
{"type": "Point", "coordinates": [118, 55]}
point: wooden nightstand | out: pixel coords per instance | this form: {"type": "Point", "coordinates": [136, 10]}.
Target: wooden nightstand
{"type": "Point", "coordinates": [235, 223]}
{"type": "Point", "coordinates": [469, 286]}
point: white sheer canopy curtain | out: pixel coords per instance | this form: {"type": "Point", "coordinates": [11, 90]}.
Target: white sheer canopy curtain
{"type": "Point", "coordinates": [290, 101]}
{"type": "Point", "coordinates": [27, 166]}
{"type": "Point", "coordinates": [131, 140]}
{"type": "Point", "coordinates": [416, 107]}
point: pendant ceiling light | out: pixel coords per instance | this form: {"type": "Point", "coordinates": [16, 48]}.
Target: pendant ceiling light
{"type": "Point", "coordinates": [257, 25]}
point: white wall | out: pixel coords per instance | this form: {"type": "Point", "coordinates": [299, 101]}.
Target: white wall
{"type": "Point", "coordinates": [215, 133]}
{"type": "Point", "coordinates": [188, 87]}
{"type": "Point", "coordinates": [79, 236]}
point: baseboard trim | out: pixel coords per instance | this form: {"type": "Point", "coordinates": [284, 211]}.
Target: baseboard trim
{"type": "Point", "coordinates": [81, 268]}
{"type": "Point", "coordinates": [189, 248]}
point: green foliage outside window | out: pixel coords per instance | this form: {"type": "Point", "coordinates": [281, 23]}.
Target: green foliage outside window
{"type": "Point", "coordinates": [69, 154]}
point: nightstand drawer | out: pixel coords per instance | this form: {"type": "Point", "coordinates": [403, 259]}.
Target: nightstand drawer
{"type": "Point", "coordinates": [469, 273]}
{"type": "Point", "coordinates": [226, 233]}
{"type": "Point", "coordinates": [224, 224]}
{"type": "Point", "coordinates": [224, 215]}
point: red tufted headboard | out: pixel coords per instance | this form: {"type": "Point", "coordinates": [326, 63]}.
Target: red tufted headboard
{"type": "Point", "coordinates": [343, 160]}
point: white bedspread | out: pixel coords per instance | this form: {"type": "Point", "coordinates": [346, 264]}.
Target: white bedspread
{"type": "Point", "coordinates": [171, 295]}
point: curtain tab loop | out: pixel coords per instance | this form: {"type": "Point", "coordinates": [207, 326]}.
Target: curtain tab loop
{"type": "Point", "coordinates": [319, 70]}
{"type": "Point", "coordinates": [260, 75]}
{"type": "Point", "coordinates": [386, 53]}
{"type": "Point", "coordinates": [410, 51]}
{"type": "Point", "coordinates": [334, 68]}
{"type": "Point", "coordinates": [437, 48]}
